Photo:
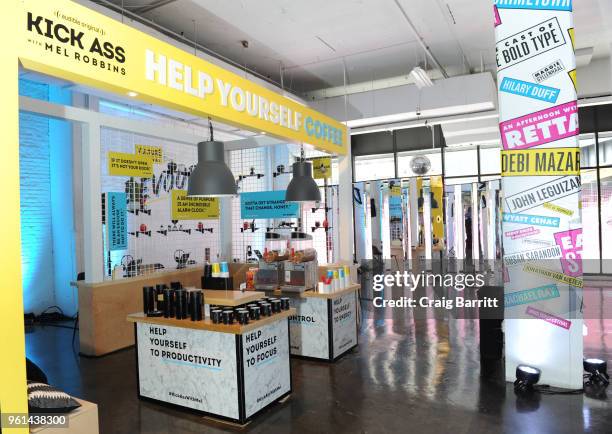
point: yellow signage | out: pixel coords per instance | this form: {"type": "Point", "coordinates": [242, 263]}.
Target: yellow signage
{"type": "Point", "coordinates": [193, 208]}
{"type": "Point", "coordinates": [66, 40]}
{"type": "Point", "coordinates": [559, 209]}
{"type": "Point", "coordinates": [437, 207]}
{"type": "Point", "coordinates": [155, 152]}
{"type": "Point", "coordinates": [541, 162]}
{"type": "Point", "coordinates": [120, 164]}
{"type": "Point", "coordinates": [572, 75]}
{"type": "Point", "coordinates": [555, 275]}
{"type": "Point", "coordinates": [572, 37]}
{"type": "Point", "coordinates": [321, 167]}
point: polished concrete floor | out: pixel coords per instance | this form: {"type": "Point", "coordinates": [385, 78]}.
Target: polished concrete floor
{"type": "Point", "coordinates": [407, 375]}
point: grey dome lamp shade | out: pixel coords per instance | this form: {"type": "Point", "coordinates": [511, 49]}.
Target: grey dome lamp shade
{"type": "Point", "coordinates": [211, 176]}
{"type": "Point", "coordinates": [302, 187]}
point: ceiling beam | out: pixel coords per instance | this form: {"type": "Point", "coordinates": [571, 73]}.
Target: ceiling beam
{"type": "Point", "coordinates": [420, 39]}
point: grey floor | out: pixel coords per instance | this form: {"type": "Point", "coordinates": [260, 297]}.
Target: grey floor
{"type": "Point", "coordinates": [407, 375]}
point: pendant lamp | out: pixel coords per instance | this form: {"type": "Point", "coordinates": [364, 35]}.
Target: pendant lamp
{"type": "Point", "coordinates": [211, 176]}
{"type": "Point", "coordinates": [302, 187]}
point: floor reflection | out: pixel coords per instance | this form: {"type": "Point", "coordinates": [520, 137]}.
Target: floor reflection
{"type": "Point", "coordinates": [413, 371]}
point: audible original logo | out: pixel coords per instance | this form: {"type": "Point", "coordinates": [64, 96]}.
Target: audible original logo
{"type": "Point", "coordinates": [71, 42]}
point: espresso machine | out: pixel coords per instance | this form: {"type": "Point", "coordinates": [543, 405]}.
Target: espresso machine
{"type": "Point", "coordinates": [302, 268]}
{"type": "Point", "coordinates": [270, 274]}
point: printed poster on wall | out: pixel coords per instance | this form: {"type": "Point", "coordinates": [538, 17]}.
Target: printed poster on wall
{"type": "Point", "coordinates": [122, 164]}
{"type": "Point", "coordinates": [395, 206]}
{"type": "Point", "coordinates": [437, 207]}
{"type": "Point", "coordinates": [321, 168]}
{"type": "Point", "coordinates": [193, 208]}
{"type": "Point", "coordinates": [267, 205]}
{"type": "Point", "coordinates": [155, 152]}
{"type": "Point", "coordinates": [116, 221]}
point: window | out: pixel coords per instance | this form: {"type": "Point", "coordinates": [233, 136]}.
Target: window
{"type": "Point", "coordinates": [371, 167]}
{"type": "Point", "coordinates": [490, 178]}
{"type": "Point", "coordinates": [404, 160]}
{"type": "Point", "coordinates": [605, 176]}
{"type": "Point", "coordinates": [605, 148]}
{"type": "Point", "coordinates": [460, 161]}
{"type": "Point", "coordinates": [588, 158]}
{"type": "Point", "coordinates": [490, 159]}
{"type": "Point", "coordinates": [590, 221]}
{"type": "Point", "coordinates": [459, 181]}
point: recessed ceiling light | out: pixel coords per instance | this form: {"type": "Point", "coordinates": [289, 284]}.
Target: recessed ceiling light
{"type": "Point", "coordinates": [132, 94]}
{"type": "Point", "coordinates": [263, 133]}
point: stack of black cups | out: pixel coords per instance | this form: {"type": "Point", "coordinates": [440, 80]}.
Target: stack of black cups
{"type": "Point", "coordinates": [173, 302]}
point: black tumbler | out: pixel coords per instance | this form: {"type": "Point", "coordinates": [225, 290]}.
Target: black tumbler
{"type": "Point", "coordinates": [266, 309]}
{"type": "Point", "coordinates": [254, 312]}
{"type": "Point", "coordinates": [285, 303]}
{"type": "Point", "coordinates": [180, 303]}
{"type": "Point", "coordinates": [171, 301]}
{"type": "Point", "coordinates": [243, 317]}
{"type": "Point", "coordinates": [167, 303]}
{"type": "Point", "coordinates": [148, 299]}
{"type": "Point", "coordinates": [215, 315]}
{"type": "Point", "coordinates": [276, 306]}
{"type": "Point", "coordinates": [228, 317]}
{"type": "Point", "coordinates": [207, 271]}
{"type": "Point", "coordinates": [195, 305]}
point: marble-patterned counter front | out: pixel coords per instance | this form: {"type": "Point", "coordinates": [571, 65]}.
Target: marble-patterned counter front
{"type": "Point", "coordinates": [231, 374]}
{"type": "Point", "coordinates": [325, 324]}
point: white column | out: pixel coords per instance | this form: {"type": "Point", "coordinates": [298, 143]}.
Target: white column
{"type": "Point", "coordinates": [536, 71]}
{"type": "Point", "coordinates": [407, 223]}
{"type": "Point", "coordinates": [92, 203]}
{"type": "Point", "coordinates": [475, 224]}
{"type": "Point", "coordinates": [413, 197]}
{"type": "Point", "coordinates": [427, 224]}
{"type": "Point", "coordinates": [345, 205]}
{"type": "Point", "coordinates": [459, 222]}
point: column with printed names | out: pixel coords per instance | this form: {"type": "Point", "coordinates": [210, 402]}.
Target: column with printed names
{"type": "Point", "coordinates": [542, 228]}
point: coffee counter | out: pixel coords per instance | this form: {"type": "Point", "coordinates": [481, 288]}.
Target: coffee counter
{"type": "Point", "coordinates": [324, 326]}
{"type": "Point", "coordinates": [227, 371]}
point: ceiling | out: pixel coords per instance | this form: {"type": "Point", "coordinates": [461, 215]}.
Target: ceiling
{"type": "Point", "coordinates": [312, 41]}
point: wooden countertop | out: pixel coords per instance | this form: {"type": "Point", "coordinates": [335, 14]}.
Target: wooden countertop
{"type": "Point", "coordinates": [231, 298]}
{"type": "Point", "coordinates": [207, 324]}
{"type": "Point", "coordinates": [313, 293]}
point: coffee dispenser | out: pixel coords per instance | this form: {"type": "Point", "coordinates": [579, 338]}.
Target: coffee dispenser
{"type": "Point", "coordinates": [271, 265]}
{"type": "Point", "coordinates": [301, 269]}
